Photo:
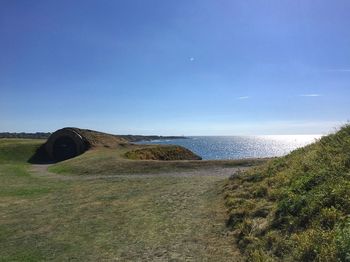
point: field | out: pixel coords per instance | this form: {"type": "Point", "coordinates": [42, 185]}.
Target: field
{"type": "Point", "coordinates": [101, 206]}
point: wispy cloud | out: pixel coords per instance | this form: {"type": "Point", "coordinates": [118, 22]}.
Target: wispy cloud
{"type": "Point", "coordinates": [310, 95]}
{"type": "Point", "coordinates": [243, 97]}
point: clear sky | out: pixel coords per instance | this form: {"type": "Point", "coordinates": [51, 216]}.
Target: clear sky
{"type": "Point", "coordinates": [175, 67]}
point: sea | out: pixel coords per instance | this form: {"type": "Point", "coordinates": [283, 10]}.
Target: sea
{"type": "Point", "coordinates": [240, 147]}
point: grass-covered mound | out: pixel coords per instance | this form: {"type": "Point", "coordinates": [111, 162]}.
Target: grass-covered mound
{"type": "Point", "coordinates": [162, 153]}
{"type": "Point", "coordinates": [98, 139]}
{"type": "Point", "coordinates": [18, 150]}
{"type": "Point", "coordinates": [295, 207]}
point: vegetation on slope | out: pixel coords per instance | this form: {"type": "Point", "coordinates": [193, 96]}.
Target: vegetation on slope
{"type": "Point", "coordinates": [98, 139]}
{"type": "Point", "coordinates": [162, 153]}
{"type": "Point", "coordinates": [295, 207]}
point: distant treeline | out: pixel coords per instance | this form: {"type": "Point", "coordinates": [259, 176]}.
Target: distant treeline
{"type": "Point", "coordinates": [43, 135]}
{"type": "Point", "coordinates": [37, 135]}
{"type": "Point", "coordinates": [137, 138]}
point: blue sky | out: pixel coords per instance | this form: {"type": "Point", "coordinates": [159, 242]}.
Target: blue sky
{"type": "Point", "coordinates": [175, 67]}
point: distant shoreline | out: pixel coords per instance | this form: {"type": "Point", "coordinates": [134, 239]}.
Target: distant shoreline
{"type": "Point", "coordinates": [45, 135]}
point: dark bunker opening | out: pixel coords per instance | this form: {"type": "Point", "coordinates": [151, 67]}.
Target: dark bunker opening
{"type": "Point", "coordinates": [64, 148]}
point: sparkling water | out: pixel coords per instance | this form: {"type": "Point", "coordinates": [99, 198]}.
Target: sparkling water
{"type": "Point", "coordinates": [238, 147]}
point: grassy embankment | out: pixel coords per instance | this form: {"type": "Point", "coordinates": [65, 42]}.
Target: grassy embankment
{"type": "Point", "coordinates": [295, 207]}
{"type": "Point", "coordinates": [124, 218]}
{"type": "Point", "coordinates": [162, 152]}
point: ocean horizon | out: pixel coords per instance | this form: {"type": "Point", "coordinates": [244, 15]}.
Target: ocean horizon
{"type": "Point", "coordinates": [240, 147]}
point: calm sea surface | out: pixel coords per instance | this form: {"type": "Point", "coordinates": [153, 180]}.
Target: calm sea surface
{"type": "Point", "coordinates": [237, 147]}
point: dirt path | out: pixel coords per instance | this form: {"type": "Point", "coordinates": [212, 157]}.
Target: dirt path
{"type": "Point", "coordinates": [42, 171]}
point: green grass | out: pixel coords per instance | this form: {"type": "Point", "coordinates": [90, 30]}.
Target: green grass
{"type": "Point", "coordinates": [18, 150]}
{"type": "Point", "coordinates": [19, 191]}
{"type": "Point", "coordinates": [124, 219]}
{"type": "Point", "coordinates": [295, 207]}
{"type": "Point", "coordinates": [15, 179]}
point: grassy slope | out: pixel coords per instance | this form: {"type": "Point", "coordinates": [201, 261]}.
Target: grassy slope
{"type": "Point", "coordinates": [161, 152]}
{"type": "Point", "coordinates": [295, 207]}
{"type": "Point", "coordinates": [14, 154]}
{"type": "Point", "coordinates": [126, 219]}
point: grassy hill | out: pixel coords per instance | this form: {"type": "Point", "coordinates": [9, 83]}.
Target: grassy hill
{"type": "Point", "coordinates": [295, 207]}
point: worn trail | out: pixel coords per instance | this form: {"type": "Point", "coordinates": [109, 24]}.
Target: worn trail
{"type": "Point", "coordinates": [224, 172]}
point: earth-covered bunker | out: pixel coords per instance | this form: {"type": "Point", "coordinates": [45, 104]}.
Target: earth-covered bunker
{"type": "Point", "coordinates": [69, 142]}
{"type": "Point", "coordinates": [65, 143]}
